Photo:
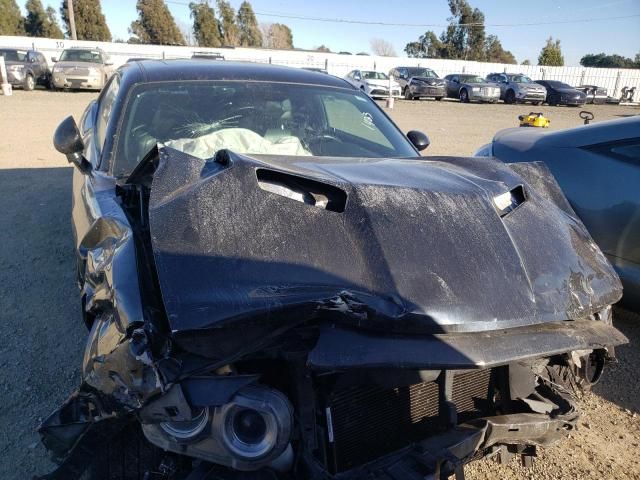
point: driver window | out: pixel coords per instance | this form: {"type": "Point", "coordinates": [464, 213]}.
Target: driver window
{"type": "Point", "coordinates": [345, 116]}
{"type": "Point", "coordinates": [104, 110]}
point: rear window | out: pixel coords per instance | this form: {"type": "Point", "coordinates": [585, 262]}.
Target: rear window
{"type": "Point", "coordinates": [14, 55]}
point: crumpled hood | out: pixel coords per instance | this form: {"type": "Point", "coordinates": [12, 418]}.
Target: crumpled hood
{"type": "Point", "coordinates": [394, 244]}
{"type": "Point", "coordinates": [430, 81]}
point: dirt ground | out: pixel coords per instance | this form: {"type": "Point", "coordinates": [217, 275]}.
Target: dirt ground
{"type": "Point", "coordinates": [43, 338]}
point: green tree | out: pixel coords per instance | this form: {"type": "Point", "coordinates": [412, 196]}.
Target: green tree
{"type": "Point", "coordinates": [427, 46]}
{"type": "Point", "coordinates": [526, 62]}
{"type": "Point", "coordinates": [495, 53]}
{"type": "Point", "coordinates": [277, 36]}
{"type": "Point", "coordinates": [323, 48]}
{"type": "Point", "coordinates": [551, 54]}
{"type": "Point", "coordinates": [205, 25]}
{"type": "Point", "coordinates": [41, 23]}
{"type": "Point", "coordinates": [11, 21]}
{"type": "Point", "coordinates": [250, 35]}
{"type": "Point", "coordinates": [464, 38]}
{"type": "Point", "coordinates": [155, 24]}
{"type": "Point", "coordinates": [230, 32]}
{"type": "Point", "coordinates": [89, 19]}
{"type": "Point", "coordinates": [602, 60]}
{"type": "Point", "coordinates": [54, 30]}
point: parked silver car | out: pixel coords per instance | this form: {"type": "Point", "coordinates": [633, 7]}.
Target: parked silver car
{"type": "Point", "coordinates": [518, 88]}
{"type": "Point", "coordinates": [374, 84]}
{"type": "Point", "coordinates": [81, 68]}
{"type": "Point", "coordinates": [470, 88]}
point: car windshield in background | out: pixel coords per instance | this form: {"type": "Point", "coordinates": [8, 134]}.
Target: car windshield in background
{"type": "Point", "coordinates": [14, 55]}
{"type": "Point", "coordinates": [557, 84]}
{"type": "Point", "coordinates": [374, 75]}
{"type": "Point", "coordinates": [90, 56]}
{"type": "Point", "coordinates": [472, 79]}
{"type": "Point", "coordinates": [246, 117]}
{"type": "Point", "coordinates": [422, 72]}
{"type": "Point", "coordinates": [520, 79]}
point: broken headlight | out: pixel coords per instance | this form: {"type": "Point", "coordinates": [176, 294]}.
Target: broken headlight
{"type": "Point", "coordinates": [247, 433]}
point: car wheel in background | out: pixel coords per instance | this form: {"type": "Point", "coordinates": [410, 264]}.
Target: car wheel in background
{"type": "Point", "coordinates": [536, 103]}
{"type": "Point", "coordinates": [29, 82]}
{"type": "Point", "coordinates": [438, 98]}
{"type": "Point", "coordinates": [510, 97]}
{"type": "Point", "coordinates": [464, 96]}
{"type": "Point", "coordinates": [407, 94]}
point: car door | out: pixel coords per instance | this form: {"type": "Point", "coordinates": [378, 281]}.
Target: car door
{"type": "Point", "coordinates": [33, 65]}
{"type": "Point", "coordinates": [44, 69]}
{"type": "Point", "coordinates": [503, 82]}
{"type": "Point", "coordinates": [453, 86]}
{"type": "Point", "coordinates": [92, 194]}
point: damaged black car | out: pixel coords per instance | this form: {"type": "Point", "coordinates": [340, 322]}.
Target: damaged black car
{"type": "Point", "coordinates": [278, 286]}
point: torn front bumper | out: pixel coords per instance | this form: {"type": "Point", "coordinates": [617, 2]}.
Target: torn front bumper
{"type": "Point", "coordinates": [442, 455]}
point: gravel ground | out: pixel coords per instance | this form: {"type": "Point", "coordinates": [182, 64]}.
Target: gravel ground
{"type": "Point", "coordinates": [40, 320]}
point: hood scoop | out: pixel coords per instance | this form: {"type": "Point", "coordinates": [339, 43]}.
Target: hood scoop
{"type": "Point", "coordinates": [507, 202]}
{"type": "Point", "coordinates": [303, 190]}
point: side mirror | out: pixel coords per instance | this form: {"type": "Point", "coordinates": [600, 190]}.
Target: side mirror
{"type": "Point", "coordinates": [418, 139]}
{"type": "Point", "coordinates": [54, 59]}
{"type": "Point", "coordinates": [68, 141]}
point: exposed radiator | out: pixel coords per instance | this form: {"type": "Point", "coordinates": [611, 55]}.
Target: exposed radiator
{"type": "Point", "coordinates": [367, 422]}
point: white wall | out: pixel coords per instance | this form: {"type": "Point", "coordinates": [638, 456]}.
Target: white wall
{"type": "Point", "coordinates": [611, 78]}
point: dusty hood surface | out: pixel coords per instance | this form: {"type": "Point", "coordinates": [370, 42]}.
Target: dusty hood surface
{"type": "Point", "coordinates": [415, 245]}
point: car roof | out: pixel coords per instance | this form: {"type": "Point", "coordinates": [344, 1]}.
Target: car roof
{"type": "Point", "coordinates": [145, 71]}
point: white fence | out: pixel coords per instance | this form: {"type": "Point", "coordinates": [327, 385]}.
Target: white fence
{"type": "Point", "coordinates": [612, 79]}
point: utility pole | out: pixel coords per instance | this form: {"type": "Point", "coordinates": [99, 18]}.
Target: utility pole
{"type": "Point", "coordinates": [72, 20]}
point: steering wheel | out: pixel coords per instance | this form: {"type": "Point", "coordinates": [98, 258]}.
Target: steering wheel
{"type": "Point", "coordinates": [315, 140]}
{"type": "Point", "coordinates": [586, 116]}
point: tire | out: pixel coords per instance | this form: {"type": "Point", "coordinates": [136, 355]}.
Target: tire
{"type": "Point", "coordinates": [510, 97]}
{"type": "Point", "coordinates": [537, 103]}
{"type": "Point", "coordinates": [128, 456]}
{"type": "Point", "coordinates": [464, 96]}
{"type": "Point", "coordinates": [29, 82]}
{"type": "Point", "coordinates": [407, 94]}
{"type": "Point", "coordinates": [439, 99]}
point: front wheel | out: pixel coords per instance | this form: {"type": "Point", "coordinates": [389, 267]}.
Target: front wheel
{"type": "Point", "coordinates": [537, 103]}
{"type": "Point", "coordinates": [439, 98]}
{"type": "Point", "coordinates": [464, 96]}
{"type": "Point", "coordinates": [29, 82]}
{"type": "Point", "coordinates": [510, 97]}
{"type": "Point", "coordinates": [407, 94]}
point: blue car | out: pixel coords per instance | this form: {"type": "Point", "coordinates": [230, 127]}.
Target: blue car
{"type": "Point", "coordinates": [598, 168]}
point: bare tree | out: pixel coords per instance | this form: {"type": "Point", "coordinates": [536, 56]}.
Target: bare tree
{"type": "Point", "coordinates": [382, 47]}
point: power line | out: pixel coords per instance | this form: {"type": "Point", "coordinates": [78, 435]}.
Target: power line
{"type": "Point", "coordinates": [443, 25]}
{"type": "Point", "coordinates": [432, 25]}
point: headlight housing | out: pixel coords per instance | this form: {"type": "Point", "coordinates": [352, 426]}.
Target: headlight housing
{"type": "Point", "coordinates": [475, 89]}
{"type": "Point", "coordinates": [249, 432]}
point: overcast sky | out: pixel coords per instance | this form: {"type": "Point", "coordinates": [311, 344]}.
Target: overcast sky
{"type": "Point", "coordinates": [621, 36]}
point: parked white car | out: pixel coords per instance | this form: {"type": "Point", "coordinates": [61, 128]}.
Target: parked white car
{"type": "Point", "coordinates": [374, 84]}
